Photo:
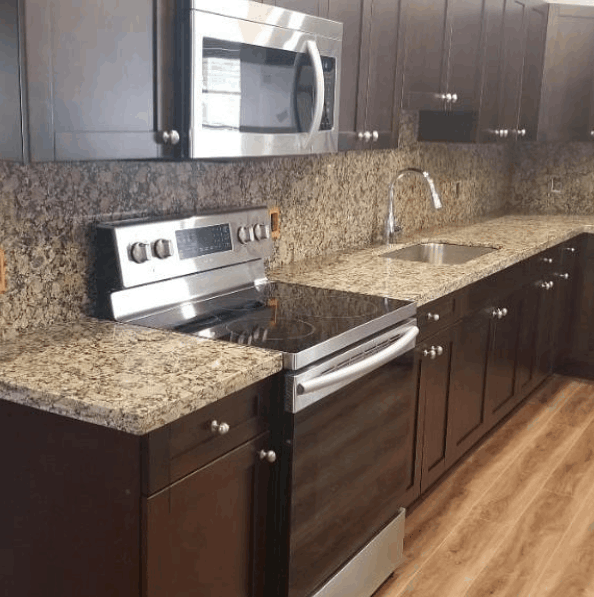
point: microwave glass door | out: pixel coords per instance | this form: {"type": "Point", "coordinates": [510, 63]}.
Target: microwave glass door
{"type": "Point", "coordinates": [252, 89]}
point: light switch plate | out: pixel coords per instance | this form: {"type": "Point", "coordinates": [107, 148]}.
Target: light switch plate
{"type": "Point", "coordinates": [2, 272]}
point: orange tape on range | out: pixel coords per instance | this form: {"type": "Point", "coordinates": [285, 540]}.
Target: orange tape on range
{"type": "Point", "coordinates": [2, 272]}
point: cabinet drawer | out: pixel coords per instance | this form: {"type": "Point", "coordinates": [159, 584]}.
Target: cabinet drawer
{"type": "Point", "coordinates": [189, 443]}
{"type": "Point", "coordinates": [438, 314]}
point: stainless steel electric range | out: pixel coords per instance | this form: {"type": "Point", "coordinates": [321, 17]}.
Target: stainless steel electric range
{"type": "Point", "coordinates": [347, 442]}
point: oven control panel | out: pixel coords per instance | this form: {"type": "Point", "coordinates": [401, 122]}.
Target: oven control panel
{"type": "Point", "coordinates": [151, 250]}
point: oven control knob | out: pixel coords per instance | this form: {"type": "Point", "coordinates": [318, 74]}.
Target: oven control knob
{"type": "Point", "coordinates": [245, 234]}
{"type": "Point", "coordinates": [262, 231]}
{"type": "Point", "coordinates": [163, 248]}
{"type": "Point", "coordinates": [140, 252]}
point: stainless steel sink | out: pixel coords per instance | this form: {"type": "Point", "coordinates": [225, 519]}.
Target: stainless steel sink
{"type": "Point", "coordinates": [439, 253]}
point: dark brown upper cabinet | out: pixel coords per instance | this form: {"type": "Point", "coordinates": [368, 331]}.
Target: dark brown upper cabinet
{"type": "Point", "coordinates": [443, 48]}
{"type": "Point", "coordinates": [11, 96]}
{"type": "Point", "coordinates": [567, 108]}
{"type": "Point", "coordinates": [511, 78]}
{"type": "Point", "coordinates": [99, 80]}
{"type": "Point", "coordinates": [369, 86]}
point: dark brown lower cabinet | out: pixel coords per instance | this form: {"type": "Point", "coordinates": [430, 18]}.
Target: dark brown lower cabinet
{"type": "Point", "coordinates": [434, 357]}
{"type": "Point", "coordinates": [466, 413]}
{"type": "Point", "coordinates": [205, 535]}
{"type": "Point", "coordinates": [501, 393]}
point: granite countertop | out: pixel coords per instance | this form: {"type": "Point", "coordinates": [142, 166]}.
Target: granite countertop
{"type": "Point", "coordinates": [125, 377]}
{"type": "Point", "coordinates": [365, 271]}
{"type": "Point", "coordinates": [136, 380]}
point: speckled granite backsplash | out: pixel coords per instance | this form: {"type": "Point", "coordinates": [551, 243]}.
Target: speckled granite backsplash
{"type": "Point", "coordinates": [327, 203]}
{"type": "Point", "coordinates": [535, 165]}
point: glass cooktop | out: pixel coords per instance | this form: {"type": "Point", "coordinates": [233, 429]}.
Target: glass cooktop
{"type": "Point", "coordinates": [303, 322]}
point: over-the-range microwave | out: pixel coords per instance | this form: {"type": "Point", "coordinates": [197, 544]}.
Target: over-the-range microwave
{"type": "Point", "coordinates": [257, 80]}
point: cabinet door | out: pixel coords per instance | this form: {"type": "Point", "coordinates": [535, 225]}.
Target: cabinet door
{"type": "Point", "coordinates": [565, 275]}
{"type": "Point", "coordinates": [11, 132]}
{"type": "Point", "coordinates": [510, 85]}
{"type": "Point", "coordinates": [500, 386]}
{"type": "Point", "coordinates": [378, 101]}
{"type": "Point", "coordinates": [204, 535]}
{"type": "Point", "coordinates": [568, 75]}
{"type": "Point", "coordinates": [532, 74]}
{"type": "Point", "coordinates": [466, 410]}
{"type": "Point", "coordinates": [350, 14]}
{"type": "Point", "coordinates": [434, 382]}
{"type": "Point", "coordinates": [96, 76]}
{"type": "Point", "coordinates": [443, 47]}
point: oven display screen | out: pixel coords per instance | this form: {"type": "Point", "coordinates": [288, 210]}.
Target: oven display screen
{"type": "Point", "coordinates": [203, 241]}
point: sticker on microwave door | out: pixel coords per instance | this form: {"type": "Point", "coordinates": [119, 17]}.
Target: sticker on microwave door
{"type": "Point", "coordinates": [221, 75]}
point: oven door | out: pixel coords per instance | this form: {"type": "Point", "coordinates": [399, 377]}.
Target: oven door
{"type": "Point", "coordinates": [258, 89]}
{"type": "Point", "coordinates": [349, 462]}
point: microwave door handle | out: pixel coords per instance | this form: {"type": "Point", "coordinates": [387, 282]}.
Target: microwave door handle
{"type": "Point", "coordinates": [357, 370]}
{"type": "Point", "coordinates": [316, 60]}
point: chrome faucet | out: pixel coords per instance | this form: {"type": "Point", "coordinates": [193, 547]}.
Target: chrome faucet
{"type": "Point", "coordinates": [391, 229]}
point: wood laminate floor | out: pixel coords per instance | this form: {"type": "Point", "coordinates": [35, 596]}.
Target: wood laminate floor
{"type": "Point", "coordinates": [516, 519]}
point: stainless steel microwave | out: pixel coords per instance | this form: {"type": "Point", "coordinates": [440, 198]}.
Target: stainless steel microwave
{"type": "Point", "coordinates": [258, 81]}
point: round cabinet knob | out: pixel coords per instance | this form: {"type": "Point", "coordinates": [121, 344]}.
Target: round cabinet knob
{"type": "Point", "coordinates": [496, 314]}
{"type": "Point", "coordinates": [547, 260]}
{"type": "Point", "coordinates": [140, 252]}
{"type": "Point", "coordinates": [570, 249]}
{"type": "Point", "coordinates": [563, 276]}
{"type": "Point", "coordinates": [433, 316]}
{"type": "Point", "coordinates": [454, 98]}
{"type": "Point", "coordinates": [170, 137]}
{"type": "Point", "coordinates": [360, 135]}
{"type": "Point", "coordinates": [375, 135]}
{"type": "Point", "coordinates": [592, 133]}
{"type": "Point", "coordinates": [163, 248]}
{"type": "Point", "coordinates": [438, 350]}
{"type": "Point", "coordinates": [269, 455]}
{"type": "Point", "coordinates": [262, 231]}
{"type": "Point", "coordinates": [430, 353]}
{"type": "Point", "coordinates": [522, 133]}
{"type": "Point", "coordinates": [245, 234]}
{"type": "Point", "coordinates": [551, 284]}
{"type": "Point", "coordinates": [504, 312]}
{"type": "Point", "coordinates": [219, 428]}
{"type": "Point", "coordinates": [367, 136]}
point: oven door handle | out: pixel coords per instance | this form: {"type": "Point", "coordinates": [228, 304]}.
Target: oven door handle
{"type": "Point", "coordinates": [356, 370]}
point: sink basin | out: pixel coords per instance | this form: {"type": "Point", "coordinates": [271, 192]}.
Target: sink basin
{"type": "Point", "coordinates": [439, 253]}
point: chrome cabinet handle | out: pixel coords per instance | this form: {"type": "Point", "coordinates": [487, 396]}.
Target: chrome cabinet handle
{"type": "Point", "coordinates": [563, 276]}
{"type": "Point", "coordinates": [547, 285]}
{"type": "Point", "coordinates": [433, 316]}
{"type": "Point", "coordinates": [521, 132]}
{"type": "Point", "coordinates": [438, 350]}
{"type": "Point", "coordinates": [504, 312]}
{"type": "Point", "coordinates": [499, 313]}
{"type": "Point", "coordinates": [170, 137]}
{"type": "Point", "coordinates": [592, 133]}
{"type": "Point", "coordinates": [375, 135]}
{"type": "Point", "coordinates": [268, 455]}
{"type": "Point", "coordinates": [219, 428]}
{"type": "Point", "coordinates": [547, 260]}
{"type": "Point", "coordinates": [570, 249]}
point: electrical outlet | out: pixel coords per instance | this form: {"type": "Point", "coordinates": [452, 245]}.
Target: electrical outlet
{"type": "Point", "coordinates": [556, 184]}
{"type": "Point", "coordinates": [274, 213]}
{"type": "Point", "coordinates": [2, 272]}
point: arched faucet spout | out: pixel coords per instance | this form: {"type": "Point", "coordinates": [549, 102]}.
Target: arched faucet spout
{"type": "Point", "coordinates": [391, 228]}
